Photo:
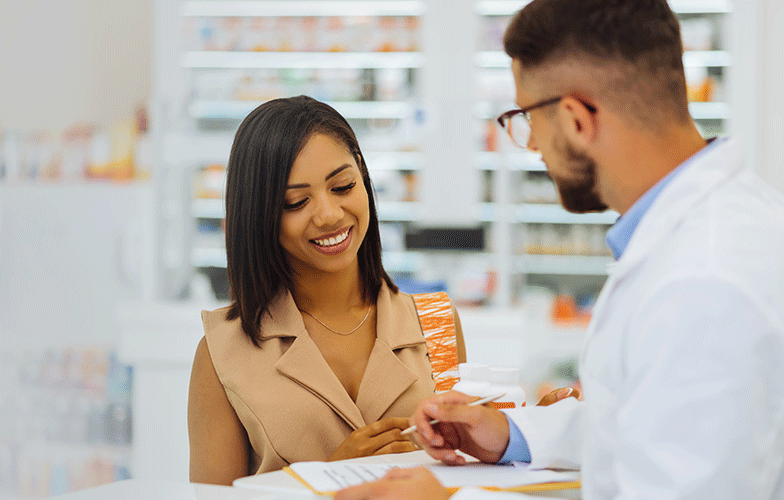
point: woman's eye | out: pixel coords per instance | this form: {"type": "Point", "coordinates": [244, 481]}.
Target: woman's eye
{"type": "Point", "coordinates": [296, 205]}
{"type": "Point", "coordinates": [346, 188]}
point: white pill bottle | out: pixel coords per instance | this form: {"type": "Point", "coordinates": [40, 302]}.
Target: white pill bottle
{"type": "Point", "coordinates": [474, 379]}
{"type": "Point", "coordinates": [506, 380]}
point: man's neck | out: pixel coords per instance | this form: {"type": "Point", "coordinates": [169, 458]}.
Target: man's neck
{"type": "Point", "coordinates": [638, 160]}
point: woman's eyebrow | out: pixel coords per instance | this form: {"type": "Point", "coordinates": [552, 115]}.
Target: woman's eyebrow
{"type": "Point", "coordinates": [329, 176]}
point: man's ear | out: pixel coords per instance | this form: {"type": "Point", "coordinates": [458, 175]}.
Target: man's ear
{"type": "Point", "coordinates": [578, 122]}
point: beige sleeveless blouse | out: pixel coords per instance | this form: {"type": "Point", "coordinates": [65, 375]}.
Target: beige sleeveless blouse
{"type": "Point", "coordinates": [288, 399]}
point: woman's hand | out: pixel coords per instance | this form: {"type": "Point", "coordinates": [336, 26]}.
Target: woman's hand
{"type": "Point", "coordinates": [377, 438]}
{"type": "Point", "coordinates": [558, 394]}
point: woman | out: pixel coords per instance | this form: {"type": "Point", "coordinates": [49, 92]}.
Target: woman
{"type": "Point", "coordinates": [319, 356]}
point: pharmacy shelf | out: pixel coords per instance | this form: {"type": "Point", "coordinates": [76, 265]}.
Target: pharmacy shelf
{"type": "Point", "coordinates": [698, 110]}
{"type": "Point", "coordinates": [403, 211]}
{"type": "Point", "coordinates": [494, 59]}
{"type": "Point", "coordinates": [301, 8]}
{"type": "Point", "coordinates": [545, 213]}
{"type": "Point", "coordinates": [401, 262]}
{"type": "Point", "coordinates": [302, 60]}
{"type": "Point", "coordinates": [203, 148]}
{"type": "Point", "coordinates": [508, 8]}
{"type": "Point", "coordinates": [393, 160]}
{"type": "Point", "coordinates": [202, 208]}
{"type": "Point", "coordinates": [586, 265]}
{"type": "Point", "coordinates": [522, 160]}
{"type": "Point", "coordinates": [238, 110]}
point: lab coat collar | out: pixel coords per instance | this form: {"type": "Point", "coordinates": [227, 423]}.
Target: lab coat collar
{"type": "Point", "coordinates": [689, 188]}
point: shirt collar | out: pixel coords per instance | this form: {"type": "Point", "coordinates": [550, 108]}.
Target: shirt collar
{"type": "Point", "coordinates": [621, 232]}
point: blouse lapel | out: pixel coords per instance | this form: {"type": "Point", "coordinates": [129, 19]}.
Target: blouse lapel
{"type": "Point", "coordinates": [304, 363]}
{"type": "Point", "coordinates": [386, 377]}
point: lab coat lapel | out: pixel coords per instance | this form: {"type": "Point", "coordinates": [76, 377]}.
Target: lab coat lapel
{"type": "Point", "coordinates": [386, 377]}
{"type": "Point", "coordinates": [304, 363]}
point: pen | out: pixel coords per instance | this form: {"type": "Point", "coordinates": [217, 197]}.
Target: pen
{"type": "Point", "coordinates": [472, 403]}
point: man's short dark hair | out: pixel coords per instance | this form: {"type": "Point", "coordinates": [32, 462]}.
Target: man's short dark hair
{"type": "Point", "coordinates": [640, 39]}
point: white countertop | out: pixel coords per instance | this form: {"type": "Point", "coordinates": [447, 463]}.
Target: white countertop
{"type": "Point", "coordinates": [138, 489]}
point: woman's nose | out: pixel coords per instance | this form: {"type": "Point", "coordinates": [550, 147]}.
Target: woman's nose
{"type": "Point", "coordinates": [328, 212]}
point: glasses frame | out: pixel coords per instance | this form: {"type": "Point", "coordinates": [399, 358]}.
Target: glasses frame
{"type": "Point", "coordinates": [505, 118]}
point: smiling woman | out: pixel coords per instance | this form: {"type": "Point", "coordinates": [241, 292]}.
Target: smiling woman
{"type": "Point", "coordinates": [319, 356]}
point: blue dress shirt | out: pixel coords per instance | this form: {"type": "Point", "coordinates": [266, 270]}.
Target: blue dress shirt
{"type": "Point", "coordinates": [618, 239]}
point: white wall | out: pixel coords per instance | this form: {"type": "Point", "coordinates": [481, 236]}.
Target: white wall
{"type": "Point", "coordinates": [69, 61]}
{"type": "Point", "coordinates": [770, 103]}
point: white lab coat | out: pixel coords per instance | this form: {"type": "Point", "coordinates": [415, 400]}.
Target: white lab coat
{"type": "Point", "coordinates": [683, 367]}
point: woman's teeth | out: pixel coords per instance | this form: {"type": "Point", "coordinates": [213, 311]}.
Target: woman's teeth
{"type": "Point", "coordinates": [332, 241]}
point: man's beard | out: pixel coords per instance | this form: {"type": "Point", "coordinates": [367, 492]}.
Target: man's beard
{"type": "Point", "coordinates": [578, 192]}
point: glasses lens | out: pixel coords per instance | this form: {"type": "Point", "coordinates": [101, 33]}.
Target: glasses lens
{"type": "Point", "coordinates": [518, 129]}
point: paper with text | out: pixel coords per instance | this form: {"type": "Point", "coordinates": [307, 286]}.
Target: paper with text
{"type": "Point", "coordinates": [334, 476]}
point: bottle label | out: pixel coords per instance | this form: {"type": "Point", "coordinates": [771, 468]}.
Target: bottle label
{"type": "Point", "coordinates": [502, 405]}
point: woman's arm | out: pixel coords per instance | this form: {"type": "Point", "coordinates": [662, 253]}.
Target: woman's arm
{"type": "Point", "coordinates": [219, 444]}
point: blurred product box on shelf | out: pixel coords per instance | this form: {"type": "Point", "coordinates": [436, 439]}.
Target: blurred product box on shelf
{"type": "Point", "coordinates": [66, 417]}
{"type": "Point", "coordinates": [211, 182]}
{"type": "Point", "coordinates": [563, 239]}
{"type": "Point", "coordinates": [697, 33]}
{"type": "Point", "coordinates": [303, 34]}
{"type": "Point", "coordinates": [82, 151]}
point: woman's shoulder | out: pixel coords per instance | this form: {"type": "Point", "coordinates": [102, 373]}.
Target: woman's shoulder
{"type": "Point", "coordinates": [217, 322]}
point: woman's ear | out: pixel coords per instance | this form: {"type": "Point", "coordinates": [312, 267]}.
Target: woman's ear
{"type": "Point", "coordinates": [578, 122]}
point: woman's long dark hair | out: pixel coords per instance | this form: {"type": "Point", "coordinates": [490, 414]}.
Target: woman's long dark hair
{"type": "Point", "coordinates": [265, 147]}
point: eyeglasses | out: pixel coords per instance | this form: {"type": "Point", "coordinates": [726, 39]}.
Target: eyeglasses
{"type": "Point", "coordinates": [517, 124]}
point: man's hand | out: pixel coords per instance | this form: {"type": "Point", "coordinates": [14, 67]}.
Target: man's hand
{"type": "Point", "coordinates": [398, 484]}
{"type": "Point", "coordinates": [377, 438]}
{"type": "Point", "coordinates": [480, 431]}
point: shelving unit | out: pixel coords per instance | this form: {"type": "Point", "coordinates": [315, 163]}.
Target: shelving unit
{"type": "Point", "coordinates": [225, 77]}
{"type": "Point", "coordinates": [510, 172]}
{"type": "Point", "coordinates": [227, 74]}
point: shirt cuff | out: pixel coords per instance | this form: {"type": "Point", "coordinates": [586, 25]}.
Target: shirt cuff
{"type": "Point", "coordinates": [517, 450]}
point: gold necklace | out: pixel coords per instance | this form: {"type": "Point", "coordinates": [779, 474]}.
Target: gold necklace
{"type": "Point", "coordinates": [367, 314]}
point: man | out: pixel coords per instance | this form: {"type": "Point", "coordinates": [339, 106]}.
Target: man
{"type": "Point", "coordinates": [683, 367]}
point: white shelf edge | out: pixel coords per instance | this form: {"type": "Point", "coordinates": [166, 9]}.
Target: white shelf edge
{"type": "Point", "coordinates": [707, 58]}
{"type": "Point", "coordinates": [496, 59]}
{"type": "Point", "coordinates": [499, 7]}
{"type": "Point", "coordinates": [302, 60]}
{"type": "Point", "coordinates": [404, 211]}
{"type": "Point", "coordinates": [582, 265]}
{"type": "Point", "coordinates": [545, 213]}
{"type": "Point", "coordinates": [301, 8]}
{"type": "Point", "coordinates": [208, 257]}
{"type": "Point", "coordinates": [218, 109]}
{"type": "Point", "coordinates": [517, 161]}
{"type": "Point", "coordinates": [402, 262]}
{"type": "Point", "coordinates": [208, 208]}
{"type": "Point", "coordinates": [508, 8]}
{"type": "Point", "coordinates": [394, 160]}
{"type": "Point", "coordinates": [709, 110]}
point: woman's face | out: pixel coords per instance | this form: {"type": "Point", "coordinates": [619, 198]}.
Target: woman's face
{"type": "Point", "coordinates": [325, 212]}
